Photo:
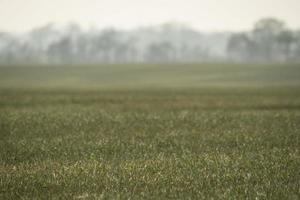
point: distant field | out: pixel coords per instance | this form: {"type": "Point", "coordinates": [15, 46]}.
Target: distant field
{"type": "Point", "coordinates": [149, 76]}
{"type": "Point", "coordinates": [150, 132]}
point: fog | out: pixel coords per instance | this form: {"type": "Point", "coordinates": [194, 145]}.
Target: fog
{"type": "Point", "coordinates": [270, 40]}
{"type": "Point", "coordinates": [203, 15]}
{"type": "Point", "coordinates": [160, 31]}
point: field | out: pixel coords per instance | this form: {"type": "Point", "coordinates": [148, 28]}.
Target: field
{"type": "Point", "coordinates": [150, 132]}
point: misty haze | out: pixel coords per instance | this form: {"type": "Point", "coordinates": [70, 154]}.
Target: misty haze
{"type": "Point", "coordinates": [270, 40]}
{"type": "Point", "coordinates": [161, 99]}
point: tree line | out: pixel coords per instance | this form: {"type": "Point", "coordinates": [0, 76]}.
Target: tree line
{"type": "Point", "coordinates": [269, 41]}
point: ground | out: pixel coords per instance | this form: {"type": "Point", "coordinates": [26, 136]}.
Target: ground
{"type": "Point", "coordinates": [150, 132]}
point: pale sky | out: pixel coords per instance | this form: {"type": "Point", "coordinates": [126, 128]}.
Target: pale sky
{"type": "Point", "coordinates": [205, 15]}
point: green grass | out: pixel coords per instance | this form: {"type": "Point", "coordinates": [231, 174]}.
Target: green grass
{"type": "Point", "coordinates": [149, 76]}
{"type": "Point", "coordinates": [77, 133]}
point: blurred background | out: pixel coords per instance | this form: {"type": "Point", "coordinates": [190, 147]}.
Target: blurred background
{"type": "Point", "coordinates": [140, 31]}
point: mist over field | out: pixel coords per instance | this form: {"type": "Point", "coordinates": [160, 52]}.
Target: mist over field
{"type": "Point", "coordinates": [270, 40]}
{"type": "Point", "coordinates": [152, 99]}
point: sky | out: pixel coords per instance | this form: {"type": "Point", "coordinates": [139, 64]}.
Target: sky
{"type": "Point", "coordinates": [204, 15]}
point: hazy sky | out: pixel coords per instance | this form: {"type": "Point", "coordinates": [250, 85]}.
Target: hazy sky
{"type": "Point", "coordinates": [206, 15]}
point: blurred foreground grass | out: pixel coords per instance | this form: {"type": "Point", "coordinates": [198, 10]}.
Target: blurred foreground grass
{"type": "Point", "coordinates": [165, 134]}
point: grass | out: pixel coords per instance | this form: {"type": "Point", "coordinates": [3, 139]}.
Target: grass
{"type": "Point", "coordinates": [211, 138]}
{"type": "Point", "coordinates": [176, 76]}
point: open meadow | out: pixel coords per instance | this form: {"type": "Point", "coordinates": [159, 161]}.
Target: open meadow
{"type": "Point", "coordinates": [211, 131]}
